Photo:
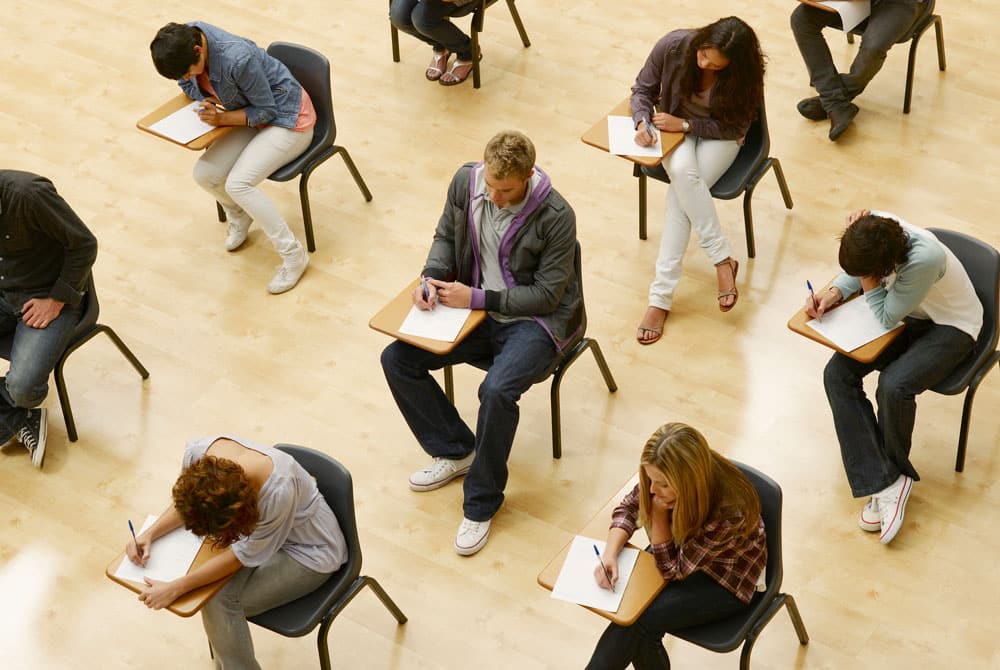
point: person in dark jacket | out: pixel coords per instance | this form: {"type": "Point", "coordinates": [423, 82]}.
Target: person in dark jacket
{"type": "Point", "coordinates": [46, 254]}
{"type": "Point", "coordinates": [506, 243]}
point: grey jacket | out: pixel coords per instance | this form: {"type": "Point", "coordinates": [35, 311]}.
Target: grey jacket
{"type": "Point", "coordinates": [536, 254]}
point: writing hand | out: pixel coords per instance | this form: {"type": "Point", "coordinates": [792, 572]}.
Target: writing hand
{"type": "Point", "coordinates": [139, 553]}
{"type": "Point", "coordinates": [611, 565]}
{"type": "Point", "coordinates": [209, 113]}
{"type": "Point", "coordinates": [452, 294]}
{"type": "Point", "coordinates": [432, 296]}
{"type": "Point", "coordinates": [158, 594]}
{"type": "Point", "coordinates": [824, 301]}
{"type": "Point", "coordinates": [40, 312]}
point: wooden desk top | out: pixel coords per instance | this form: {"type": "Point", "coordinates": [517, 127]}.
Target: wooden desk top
{"type": "Point", "coordinates": [168, 108]}
{"type": "Point", "coordinates": [597, 136]}
{"type": "Point", "coordinates": [390, 318]}
{"type": "Point", "coordinates": [192, 601]}
{"type": "Point", "coordinates": [864, 354]}
{"type": "Point", "coordinates": [644, 584]}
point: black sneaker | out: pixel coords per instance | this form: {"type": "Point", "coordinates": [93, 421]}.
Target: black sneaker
{"type": "Point", "coordinates": [32, 435]}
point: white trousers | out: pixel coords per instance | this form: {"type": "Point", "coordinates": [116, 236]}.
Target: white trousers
{"type": "Point", "coordinates": [232, 167]}
{"type": "Point", "coordinates": [693, 168]}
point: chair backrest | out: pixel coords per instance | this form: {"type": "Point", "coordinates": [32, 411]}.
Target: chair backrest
{"type": "Point", "coordinates": [335, 484]}
{"type": "Point", "coordinates": [312, 70]}
{"type": "Point", "coordinates": [754, 152]}
{"type": "Point", "coordinates": [770, 510]}
{"type": "Point", "coordinates": [982, 264]}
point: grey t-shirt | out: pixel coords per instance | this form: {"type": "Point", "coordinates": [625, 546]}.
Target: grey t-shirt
{"type": "Point", "coordinates": [294, 516]}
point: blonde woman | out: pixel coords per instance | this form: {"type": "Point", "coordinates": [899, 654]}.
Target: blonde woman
{"type": "Point", "coordinates": [702, 516]}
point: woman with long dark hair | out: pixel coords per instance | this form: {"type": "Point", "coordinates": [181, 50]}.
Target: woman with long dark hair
{"type": "Point", "coordinates": [709, 84]}
{"type": "Point", "coordinates": [702, 516]}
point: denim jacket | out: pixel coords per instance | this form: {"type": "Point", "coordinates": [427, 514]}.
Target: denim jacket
{"type": "Point", "coordinates": [245, 77]}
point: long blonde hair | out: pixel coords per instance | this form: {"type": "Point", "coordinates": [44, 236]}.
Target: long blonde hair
{"type": "Point", "coordinates": [703, 480]}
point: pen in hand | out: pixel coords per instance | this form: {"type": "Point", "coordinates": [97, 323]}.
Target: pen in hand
{"type": "Point", "coordinates": [425, 289]}
{"type": "Point", "coordinates": [649, 129]}
{"type": "Point", "coordinates": [812, 294]}
{"type": "Point", "coordinates": [134, 538]}
{"type": "Point", "coordinates": [604, 568]}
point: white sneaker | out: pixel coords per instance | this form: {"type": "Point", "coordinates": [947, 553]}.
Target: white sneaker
{"type": "Point", "coordinates": [891, 505]}
{"type": "Point", "coordinates": [472, 536]}
{"type": "Point", "coordinates": [236, 233]}
{"type": "Point", "coordinates": [870, 519]}
{"type": "Point", "coordinates": [439, 473]}
{"type": "Point", "coordinates": [289, 273]}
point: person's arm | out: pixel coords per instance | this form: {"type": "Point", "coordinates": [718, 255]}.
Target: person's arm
{"type": "Point", "coordinates": [158, 595]}
{"type": "Point", "coordinates": [54, 218]}
{"type": "Point", "coordinates": [646, 89]}
{"type": "Point", "coordinates": [440, 263]}
{"type": "Point", "coordinates": [139, 551]}
{"type": "Point", "coordinates": [250, 77]}
{"type": "Point", "coordinates": [913, 282]}
{"type": "Point", "coordinates": [609, 559]}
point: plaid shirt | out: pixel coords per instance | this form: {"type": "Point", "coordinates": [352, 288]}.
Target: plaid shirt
{"type": "Point", "coordinates": [732, 561]}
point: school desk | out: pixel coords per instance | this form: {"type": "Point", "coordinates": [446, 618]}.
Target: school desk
{"type": "Point", "coordinates": [597, 136]}
{"type": "Point", "coordinates": [390, 318]}
{"type": "Point", "coordinates": [168, 108]}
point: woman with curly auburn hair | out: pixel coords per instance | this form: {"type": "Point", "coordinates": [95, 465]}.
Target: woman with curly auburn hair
{"type": "Point", "coordinates": [282, 539]}
{"type": "Point", "coordinates": [906, 274]}
{"type": "Point", "coordinates": [702, 516]}
{"type": "Point", "coordinates": [707, 83]}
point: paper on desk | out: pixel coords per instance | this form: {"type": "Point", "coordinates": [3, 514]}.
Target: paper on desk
{"type": "Point", "coordinates": [183, 125]}
{"type": "Point", "coordinates": [621, 139]}
{"type": "Point", "coordinates": [441, 323]}
{"type": "Point", "coordinates": [851, 325]}
{"type": "Point", "coordinates": [851, 13]}
{"type": "Point", "coordinates": [170, 556]}
{"type": "Point", "coordinates": [576, 582]}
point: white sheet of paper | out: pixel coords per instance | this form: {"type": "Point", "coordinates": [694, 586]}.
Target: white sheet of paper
{"type": "Point", "coordinates": [851, 325]}
{"type": "Point", "coordinates": [621, 139]}
{"type": "Point", "coordinates": [183, 125]}
{"type": "Point", "coordinates": [576, 582]}
{"type": "Point", "coordinates": [441, 323]}
{"type": "Point", "coordinates": [851, 13]}
{"type": "Point", "coordinates": [170, 556]}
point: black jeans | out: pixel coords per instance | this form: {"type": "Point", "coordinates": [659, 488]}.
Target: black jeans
{"type": "Point", "coordinates": [876, 450]}
{"type": "Point", "coordinates": [693, 601]}
{"type": "Point", "coordinates": [889, 21]}
{"type": "Point", "coordinates": [427, 20]}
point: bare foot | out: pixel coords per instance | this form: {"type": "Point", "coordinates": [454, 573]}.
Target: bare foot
{"type": "Point", "coordinates": [651, 327]}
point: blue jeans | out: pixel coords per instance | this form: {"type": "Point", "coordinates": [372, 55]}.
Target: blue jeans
{"type": "Point", "coordinates": [876, 450]}
{"type": "Point", "coordinates": [427, 20]}
{"type": "Point", "coordinates": [889, 21]}
{"type": "Point", "coordinates": [34, 353]}
{"type": "Point", "coordinates": [521, 351]}
{"type": "Point", "coordinates": [693, 601]}
{"type": "Point", "coordinates": [252, 591]}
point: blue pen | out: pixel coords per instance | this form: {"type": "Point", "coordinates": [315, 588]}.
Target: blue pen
{"type": "Point", "coordinates": [649, 129]}
{"type": "Point", "coordinates": [423, 287]}
{"type": "Point", "coordinates": [812, 294]}
{"type": "Point", "coordinates": [606, 575]}
{"type": "Point", "coordinates": [132, 528]}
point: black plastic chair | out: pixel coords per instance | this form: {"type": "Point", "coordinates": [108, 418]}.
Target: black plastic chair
{"type": "Point", "coordinates": [750, 166]}
{"type": "Point", "coordinates": [743, 629]}
{"type": "Point", "coordinates": [320, 607]}
{"type": "Point", "coordinates": [982, 264]}
{"type": "Point", "coordinates": [572, 351]}
{"type": "Point", "coordinates": [85, 330]}
{"type": "Point", "coordinates": [924, 21]}
{"type": "Point", "coordinates": [478, 11]}
{"type": "Point", "coordinates": [312, 70]}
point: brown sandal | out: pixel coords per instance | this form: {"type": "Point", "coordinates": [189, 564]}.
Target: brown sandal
{"type": "Point", "coordinates": [654, 333]}
{"type": "Point", "coordinates": [439, 63]}
{"type": "Point", "coordinates": [734, 265]}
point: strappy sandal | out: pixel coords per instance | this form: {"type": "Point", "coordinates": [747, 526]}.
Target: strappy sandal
{"type": "Point", "coordinates": [459, 71]}
{"type": "Point", "coordinates": [650, 334]}
{"type": "Point", "coordinates": [734, 265]}
{"type": "Point", "coordinates": [438, 65]}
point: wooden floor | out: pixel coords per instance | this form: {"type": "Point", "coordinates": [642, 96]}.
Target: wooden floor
{"type": "Point", "coordinates": [303, 367]}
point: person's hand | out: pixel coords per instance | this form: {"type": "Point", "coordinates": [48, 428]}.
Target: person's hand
{"type": "Point", "coordinates": [824, 301]}
{"type": "Point", "coordinates": [418, 296]}
{"type": "Point", "coordinates": [139, 552]}
{"type": "Point", "coordinates": [209, 113]}
{"type": "Point", "coordinates": [158, 595]}
{"type": "Point", "coordinates": [668, 122]}
{"type": "Point", "coordinates": [857, 214]}
{"type": "Point", "coordinates": [643, 138]}
{"type": "Point", "coordinates": [611, 565]}
{"type": "Point", "coordinates": [40, 312]}
{"type": "Point", "coordinates": [869, 282]}
{"type": "Point", "coordinates": [451, 294]}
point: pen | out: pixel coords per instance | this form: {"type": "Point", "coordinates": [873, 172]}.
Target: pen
{"type": "Point", "coordinates": [134, 538]}
{"type": "Point", "coordinates": [423, 287]}
{"type": "Point", "coordinates": [218, 107]}
{"type": "Point", "coordinates": [606, 575]}
{"type": "Point", "coordinates": [812, 294]}
{"type": "Point", "coordinates": [649, 129]}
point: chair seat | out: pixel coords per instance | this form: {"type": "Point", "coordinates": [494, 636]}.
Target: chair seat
{"type": "Point", "coordinates": [728, 634]}
{"type": "Point", "coordinates": [317, 153]}
{"type": "Point", "coordinates": [962, 376]}
{"type": "Point", "coordinates": [301, 616]}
